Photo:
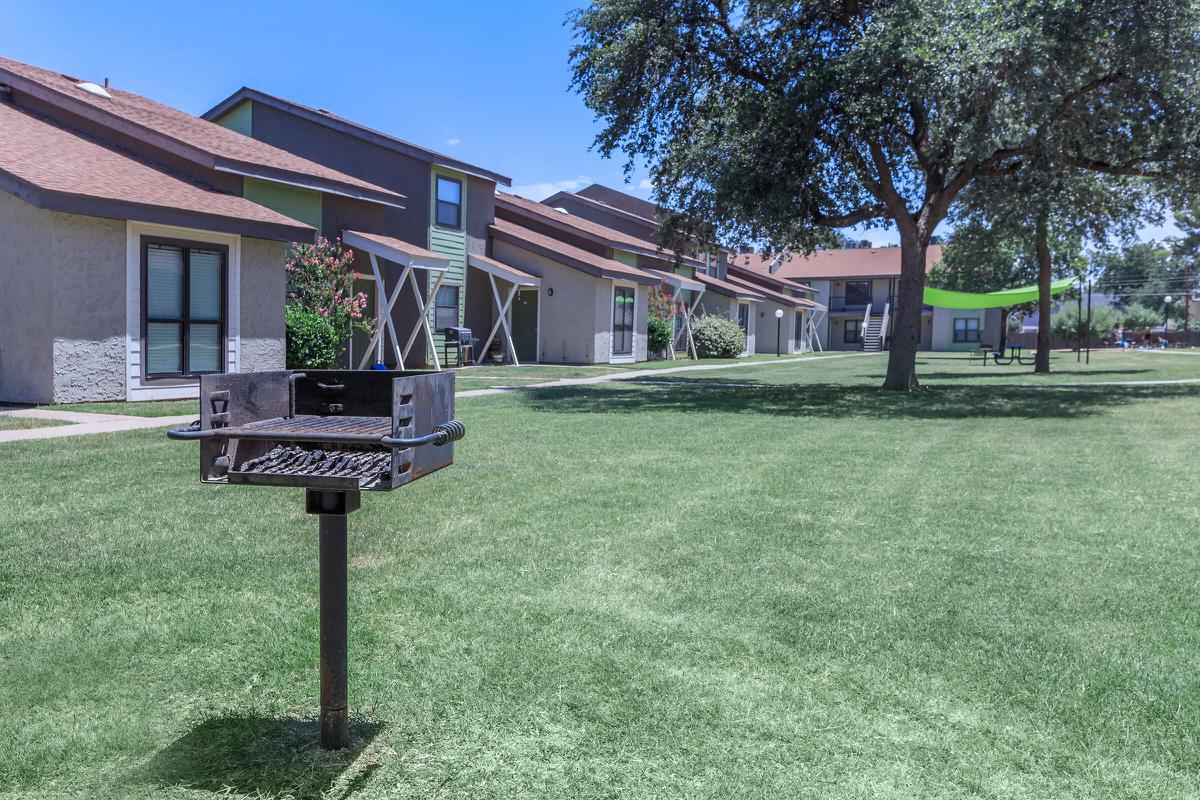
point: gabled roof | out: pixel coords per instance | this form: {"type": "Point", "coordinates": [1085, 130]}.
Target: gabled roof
{"type": "Point", "coordinates": [558, 198]}
{"type": "Point", "coordinates": [873, 262]}
{"type": "Point", "coordinates": [730, 289]}
{"type": "Point", "coordinates": [785, 300]}
{"type": "Point", "coordinates": [191, 138]}
{"type": "Point", "coordinates": [343, 125]}
{"type": "Point", "coordinates": [635, 206]}
{"type": "Point", "coordinates": [566, 254]}
{"type": "Point", "coordinates": [765, 278]}
{"type": "Point", "coordinates": [520, 207]}
{"type": "Point", "coordinates": [55, 168]}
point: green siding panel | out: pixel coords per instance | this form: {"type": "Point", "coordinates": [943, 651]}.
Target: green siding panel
{"type": "Point", "coordinates": [628, 259]}
{"type": "Point", "coordinates": [238, 118]}
{"type": "Point", "coordinates": [453, 244]}
{"type": "Point", "coordinates": [291, 201]}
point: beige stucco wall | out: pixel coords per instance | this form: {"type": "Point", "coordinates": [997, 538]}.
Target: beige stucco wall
{"type": "Point", "coordinates": [263, 294]}
{"type": "Point", "coordinates": [26, 344]}
{"type": "Point", "coordinates": [771, 335]}
{"type": "Point", "coordinates": [576, 309]}
{"type": "Point", "coordinates": [63, 310]}
{"type": "Point", "coordinates": [88, 254]}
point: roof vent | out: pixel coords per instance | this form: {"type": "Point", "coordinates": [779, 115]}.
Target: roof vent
{"type": "Point", "coordinates": [94, 88]}
{"type": "Point", "coordinates": [325, 111]}
{"type": "Point", "coordinates": [561, 210]}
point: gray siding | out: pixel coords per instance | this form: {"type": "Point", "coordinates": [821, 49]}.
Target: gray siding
{"type": "Point", "coordinates": [263, 294]}
{"type": "Point", "coordinates": [88, 258]}
{"type": "Point", "coordinates": [26, 343]}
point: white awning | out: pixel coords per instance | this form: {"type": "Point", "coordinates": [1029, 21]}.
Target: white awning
{"type": "Point", "coordinates": [676, 280]}
{"type": "Point", "coordinates": [397, 250]}
{"type": "Point", "coordinates": [502, 271]}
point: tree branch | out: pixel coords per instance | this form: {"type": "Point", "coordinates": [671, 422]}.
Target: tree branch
{"type": "Point", "coordinates": [850, 219]}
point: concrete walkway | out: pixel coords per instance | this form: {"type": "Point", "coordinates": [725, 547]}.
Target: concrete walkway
{"type": "Point", "coordinates": [81, 423]}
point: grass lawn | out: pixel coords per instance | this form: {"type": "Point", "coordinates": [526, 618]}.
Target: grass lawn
{"type": "Point", "coordinates": [8, 423]}
{"type": "Point", "coordinates": [764, 582]}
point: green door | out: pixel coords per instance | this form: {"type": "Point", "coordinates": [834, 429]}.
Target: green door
{"type": "Point", "coordinates": [524, 325]}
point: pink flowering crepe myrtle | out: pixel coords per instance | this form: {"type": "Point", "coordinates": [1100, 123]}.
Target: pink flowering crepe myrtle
{"type": "Point", "coordinates": [320, 279]}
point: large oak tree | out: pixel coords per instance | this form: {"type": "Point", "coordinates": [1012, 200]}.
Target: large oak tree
{"type": "Point", "coordinates": [766, 120]}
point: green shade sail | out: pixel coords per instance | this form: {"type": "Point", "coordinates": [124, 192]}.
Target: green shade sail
{"type": "Point", "coordinates": [1009, 297]}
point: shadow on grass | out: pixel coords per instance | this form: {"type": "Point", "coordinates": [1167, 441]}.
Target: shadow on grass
{"type": "Point", "coordinates": [1023, 372]}
{"type": "Point", "coordinates": [841, 401]}
{"type": "Point", "coordinates": [264, 757]}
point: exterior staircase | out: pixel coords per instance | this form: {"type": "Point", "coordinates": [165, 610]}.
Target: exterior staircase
{"type": "Point", "coordinates": [874, 330]}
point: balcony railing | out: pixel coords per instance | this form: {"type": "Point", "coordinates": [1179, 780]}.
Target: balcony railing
{"type": "Point", "coordinates": [839, 302]}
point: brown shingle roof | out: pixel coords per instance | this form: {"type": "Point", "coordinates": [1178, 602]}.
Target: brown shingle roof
{"type": "Point", "coordinates": [386, 243]}
{"type": "Point", "coordinates": [585, 228]}
{"type": "Point", "coordinates": [60, 165]}
{"type": "Point", "coordinates": [730, 289]}
{"type": "Point", "coordinates": [199, 140]}
{"type": "Point", "coordinates": [785, 300]}
{"type": "Point", "coordinates": [568, 254]}
{"type": "Point", "coordinates": [847, 263]}
{"type": "Point", "coordinates": [765, 278]}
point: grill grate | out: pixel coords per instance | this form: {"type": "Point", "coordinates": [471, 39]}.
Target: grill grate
{"type": "Point", "coordinates": [307, 423]}
{"type": "Point", "coordinates": [282, 460]}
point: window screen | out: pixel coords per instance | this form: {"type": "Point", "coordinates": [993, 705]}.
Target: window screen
{"type": "Point", "coordinates": [449, 203]}
{"type": "Point", "coordinates": [184, 309]}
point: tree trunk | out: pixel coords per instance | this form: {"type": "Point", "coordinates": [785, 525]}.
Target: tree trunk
{"type": "Point", "coordinates": [902, 358]}
{"type": "Point", "coordinates": [1041, 359]}
{"type": "Point", "coordinates": [1003, 343]}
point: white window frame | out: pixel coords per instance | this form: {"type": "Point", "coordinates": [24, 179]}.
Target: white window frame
{"type": "Point", "coordinates": [136, 386]}
{"type": "Point", "coordinates": [631, 358]}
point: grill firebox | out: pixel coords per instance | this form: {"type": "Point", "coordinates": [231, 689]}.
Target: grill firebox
{"type": "Point", "coordinates": [334, 433]}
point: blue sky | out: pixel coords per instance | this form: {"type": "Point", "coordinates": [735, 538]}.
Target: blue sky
{"type": "Point", "coordinates": [485, 81]}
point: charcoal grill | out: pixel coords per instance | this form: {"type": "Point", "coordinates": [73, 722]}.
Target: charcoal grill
{"type": "Point", "coordinates": [334, 433]}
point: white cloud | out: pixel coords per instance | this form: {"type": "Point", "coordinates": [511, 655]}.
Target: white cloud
{"type": "Point", "coordinates": [452, 142]}
{"type": "Point", "coordinates": [540, 191]}
{"type": "Point", "coordinates": [645, 183]}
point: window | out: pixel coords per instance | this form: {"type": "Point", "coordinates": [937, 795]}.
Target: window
{"type": "Point", "coordinates": [744, 317]}
{"type": "Point", "coordinates": [183, 308]}
{"type": "Point", "coordinates": [852, 332]}
{"type": "Point", "coordinates": [966, 329]}
{"type": "Point", "coordinates": [445, 308]}
{"type": "Point", "coordinates": [622, 341]}
{"type": "Point", "coordinates": [858, 293]}
{"type": "Point", "coordinates": [449, 203]}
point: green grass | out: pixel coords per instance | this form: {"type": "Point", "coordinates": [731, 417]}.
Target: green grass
{"type": "Point", "coordinates": [8, 423]}
{"type": "Point", "coordinates": [789, 585]}
{"type": "Point", "coordinates": [142, 408]}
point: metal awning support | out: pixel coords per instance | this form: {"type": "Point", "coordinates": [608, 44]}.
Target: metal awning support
{"type": "Point", "coordinates": [494, 269]}
{"type": "Point", "coordinates": [681, 284]}
{"type": "Point", "coordinates": [811, 339]}
{"type": "Point", "coordinates": [411, 258]}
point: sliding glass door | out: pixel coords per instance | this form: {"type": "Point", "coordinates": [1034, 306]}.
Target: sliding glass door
{"type": "Point", "coordinates": [622, 337]}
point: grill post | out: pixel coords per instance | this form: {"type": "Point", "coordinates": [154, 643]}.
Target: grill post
{"type": "Point", "coordinates": [332, 507]}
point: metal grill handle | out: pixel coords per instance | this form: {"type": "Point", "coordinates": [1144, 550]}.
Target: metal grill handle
{"type": "Point", "coordinates": [443, 433]}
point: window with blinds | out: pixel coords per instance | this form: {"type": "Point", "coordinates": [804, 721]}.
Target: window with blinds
{"type": "Point", "coordinates": [183, 308]}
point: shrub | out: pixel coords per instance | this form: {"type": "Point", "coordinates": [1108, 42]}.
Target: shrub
{"type": "Point", "coordinates": [717, 337]}
{"type": "Point", "coordinates": [658, 334]}
{"type": "Point", "coordinates": [1138, 317]}
{"type": "Point", "coordinates": [312, 341]}
{"type": "Point", "coordinates": [1066, 324]}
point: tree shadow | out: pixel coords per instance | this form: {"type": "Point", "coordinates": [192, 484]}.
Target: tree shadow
{"type": "Point", "coordinates": [264, 757]}
{"type": "Point", "coordinates": [828, 400]}
{"type": "Point", "coordinates": [1023, 372]}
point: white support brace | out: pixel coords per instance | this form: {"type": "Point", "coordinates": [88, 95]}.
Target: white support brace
{"type": "Point", "coordinates": [385, 323]}
{"type": "Point", "coordinates": [687, 327]}
{"type": "Point", "coordinates": [423, 317]}
{"type": "Point", "coordinates": [501, 323]}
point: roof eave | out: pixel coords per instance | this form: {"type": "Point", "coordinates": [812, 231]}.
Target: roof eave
{"type": "Point", "coordinates": [574, 263]}
{"type": "Point", "coordinates": [383, 140]}
{"type": "Point", "coordinates": [273, 175]}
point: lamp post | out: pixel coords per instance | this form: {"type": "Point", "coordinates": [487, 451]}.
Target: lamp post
{"type": "Point", "coordinates": [778, 332]}
{"type": "Point", "coordinates": [1166, 314]}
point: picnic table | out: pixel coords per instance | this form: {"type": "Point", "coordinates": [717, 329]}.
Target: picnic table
{"type": "Point", "coordinates": [1016, 352]}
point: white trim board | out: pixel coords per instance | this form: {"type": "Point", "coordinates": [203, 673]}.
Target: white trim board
{"type": "Point", "coordinates": [135, 388]}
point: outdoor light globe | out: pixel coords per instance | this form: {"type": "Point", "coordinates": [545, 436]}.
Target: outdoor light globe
{"type": "Point", "coordinates": [779, 313]}
{"type": "Point", "coordinates": [1168, 299]}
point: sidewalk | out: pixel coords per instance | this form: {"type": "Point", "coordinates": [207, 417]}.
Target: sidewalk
{"type": "Point", "coordinates": [81, 423]}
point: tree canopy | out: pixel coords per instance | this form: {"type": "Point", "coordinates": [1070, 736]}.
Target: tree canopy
{"type": "Point", "coordinates": [768, 119]}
